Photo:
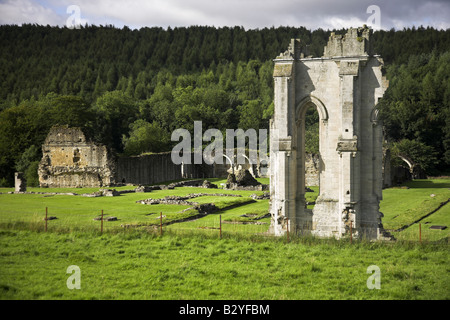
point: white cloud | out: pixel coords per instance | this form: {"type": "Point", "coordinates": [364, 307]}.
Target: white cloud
{"type": "Point", "coordinates": [340, 23]}
{"type": "Point", "coordinates": [250, 13]}
{"type": "Point", "coordinates": [326, 14]}
{"type": "Point", "coordinates": [27, 11]}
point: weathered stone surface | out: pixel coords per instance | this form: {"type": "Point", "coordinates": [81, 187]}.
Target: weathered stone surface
{"type": "Point", "coordinates": [157, 168]}
{"type": "Point", "coordinates": [231, 178]}
{"type": "Point", "coordinates": [356, 42]}
{"type": "Point", "coordinates": [344, 86]}
{"type": "Point", "coordinates": [206, 208]}
{"type": "Point", "coordinates": [93, 194]}
{"type": "Point", "coordinates": [69, 160]}
{"type": "Point", "coordinates": [347, 145]}
{"type": "Point", "coordinates": [142, 189]}
{"type": "Point", "coordinates": [438, 227]}
{"type": "Point", "coordinates": [105, 218]}
{"type": "Point", "coordinates": [312, 163]}
{"type": "Point", "coordinates": [283, 70]}
{"type": "Point", "coordinates": [265, 195]}
{"type": "Point", "coordinates": [181, 200]}
{"type": "Point", "coordinates": [209, 185]}
{"type": "Point", "coordinates": [260, 187]}
{"type": "Point", "coordinates": [244, 178]}
{"type": "Point", "coordinates": [20, 183]}
{"type": "Point", "coordinates": [109, 192]}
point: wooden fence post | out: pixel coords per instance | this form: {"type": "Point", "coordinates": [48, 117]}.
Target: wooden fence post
{"type": "Point", "coordinates": [160, 223]}
{"type": "Point", "coordinates": [420, 232]}
{"type": "Point", "coordinates": [101, 225]}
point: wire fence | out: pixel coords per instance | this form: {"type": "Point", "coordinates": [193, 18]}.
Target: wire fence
{"type": "Point", "coordinates": [65, 219]}
{"type": "Point", "coordinates": [212, 225]}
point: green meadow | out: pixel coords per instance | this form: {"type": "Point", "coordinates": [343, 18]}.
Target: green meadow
{"type": "Point", "coordinates": [404, 205]}
{"type": "Point", "coordinates": [191, 261]}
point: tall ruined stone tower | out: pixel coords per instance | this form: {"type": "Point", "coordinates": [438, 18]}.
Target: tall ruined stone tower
{"type": "Point", "coordinates": [344, 86]}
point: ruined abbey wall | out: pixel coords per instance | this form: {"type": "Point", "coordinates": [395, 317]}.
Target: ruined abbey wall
{"type": "Point", "coordinates": [156, 168]}
{"type": "Point", "coordinates": [69, 160]}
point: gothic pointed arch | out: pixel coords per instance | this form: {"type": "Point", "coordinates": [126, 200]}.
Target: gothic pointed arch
{"type": "Point", "coordinates": [307, 102]}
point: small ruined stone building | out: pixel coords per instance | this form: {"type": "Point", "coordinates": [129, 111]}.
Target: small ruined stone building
{"type": "Point", "coordinates": [70, 160]}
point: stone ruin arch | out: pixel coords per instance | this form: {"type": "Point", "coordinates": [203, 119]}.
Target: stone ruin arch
{"type": "Point", "coordinates": [311, 101]}
{"type": "Point", "coordinates": [344, 85]}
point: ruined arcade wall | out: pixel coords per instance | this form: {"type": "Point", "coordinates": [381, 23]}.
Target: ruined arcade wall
{"type": "Point", "coordinates": [69, 161]}
{"type": "Point", "coordinates": [156, 168]}
{"type": "Point", "coordinates": [312, 169]}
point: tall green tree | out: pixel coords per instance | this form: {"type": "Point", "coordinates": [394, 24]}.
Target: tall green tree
{"type": "Point", "coordinates": [115, 112]}
{"type": "Point", "coordinates": [145, 137]}
{"type": "Point", "coordinates": [415, 108]}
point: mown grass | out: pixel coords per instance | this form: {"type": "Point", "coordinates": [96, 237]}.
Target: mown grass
{"type": "Point", "coordinates": [439, 218]}
{"type": "Point", "coordinates": [77, 212]}
{"type": "Point", "coordinates": [230, 218]}
{"type": "Point", "coordinates": [400, 206]}
{"type": "Point", "coordinates": [141, 265]}
{"type": "Point", "coordinates": [404, 205]}
{"type": "Point", "coordinates": [190, 261]}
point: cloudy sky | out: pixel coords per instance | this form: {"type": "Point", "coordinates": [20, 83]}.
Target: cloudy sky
{"type": "Point", "coordinates": [251, 14]}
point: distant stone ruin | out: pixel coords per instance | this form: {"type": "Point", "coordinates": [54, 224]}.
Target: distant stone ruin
{"type": "Point", "coordinates": [243, 180]}
{"type": "Point", "coordinates": [70, 160]}
{"type": "Point", "coordinates": [20, 183]}
{"type": "Point", "coordinates": [312, 163]}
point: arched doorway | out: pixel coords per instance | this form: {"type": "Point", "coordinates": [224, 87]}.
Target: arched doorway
{"type": "Point", "coordinates": [309, 112]}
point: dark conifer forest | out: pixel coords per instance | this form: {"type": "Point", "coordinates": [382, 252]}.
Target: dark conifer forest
{"type": "Point", "coordinates": [129, 89]}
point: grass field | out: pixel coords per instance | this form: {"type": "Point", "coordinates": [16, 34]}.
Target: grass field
{"type": "Point", "coordinates": [77, 212]}
{"type": "Point", "coordinates": [190, 261]}
{"type": "Point", "coordinates": [404, 205]}
{"type": "Point", "coordinates": [137, 265]}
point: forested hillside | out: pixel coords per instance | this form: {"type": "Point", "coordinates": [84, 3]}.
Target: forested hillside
{"type": "Point", "coordinates": [130, 88]}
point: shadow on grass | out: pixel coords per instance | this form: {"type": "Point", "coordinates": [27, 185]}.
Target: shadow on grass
{"type": "Point", "coordinates": [420, 184]}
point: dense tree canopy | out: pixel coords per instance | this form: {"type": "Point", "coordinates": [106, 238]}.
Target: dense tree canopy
{"type": "Point", "coordinates": [125, 87]}
{"type": "Point", "coordinates": [416, 110]}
